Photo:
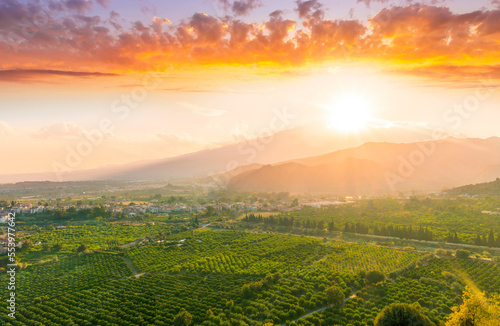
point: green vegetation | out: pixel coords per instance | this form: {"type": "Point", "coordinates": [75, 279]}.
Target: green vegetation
{"type": "Point", "coordinates": [476, 309]}
{"type": "Point", "coordinates": [488, 189]}
{"type": "Point", "coordinates": [402, 314]}
{"type": "Point", "coordinates": [292, 268]}
{"type": "Point", "coordinates": [99, 237]}
{"type": "Point", "coordinates": [445, 220]}
{"type": "Point", "coordinates": [233, 277]}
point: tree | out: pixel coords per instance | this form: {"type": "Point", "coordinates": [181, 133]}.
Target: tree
{"type": "Point", "coordinates": [462, 254]}
{"type": "Point", "coordinates": [334, 295]}
{"type": "Point", "coordinates": [476, 310]}
{"type": "Point", "coordinates": [491, 239]}
{"type": "Point", "coordinates": [81, 248]}
{"type": "Point", "coordinates": [183, 318]}
{"type": "Point", "coordinates": [331, 226]}
{"type": "Point", "coordinates": [374, 277]}
{"type": "Point", "coordinates": [57, 247]}
{"type": "Point", "coordinates": [27, 245]}
{"type": "Point", "coordinates": [402, 314]}
{"type": "Point", "coordinates": [210, 211]}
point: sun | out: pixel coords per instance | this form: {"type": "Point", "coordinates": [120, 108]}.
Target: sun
{"type": "Point", "coordinates": [349, 113]}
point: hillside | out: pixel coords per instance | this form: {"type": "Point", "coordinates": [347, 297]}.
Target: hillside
{"type": "Point", "coordinates": [490, 189]}
{"type": "Point", "coordinates": [303, 141]}
{"type": "Point", "coordinates": [379, 168]}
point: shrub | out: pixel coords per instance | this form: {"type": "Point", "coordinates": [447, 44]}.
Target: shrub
{"type": "Point", "coordinates": [375, 276]}
{"type": "Point", "coordinates": [462, 254]}
{"type": "Point", "coordinates": [402, 314]}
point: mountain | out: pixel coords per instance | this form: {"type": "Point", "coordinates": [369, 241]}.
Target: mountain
{"type": "Point", "coordinates": [349, 176]}
{"type": "Point", "coordinates": [380, 168]}
{"type": "Point", "coordinates": [303, 141]}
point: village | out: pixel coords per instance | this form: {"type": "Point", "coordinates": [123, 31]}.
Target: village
{"type": "Point", "coordinates": [135, 208]}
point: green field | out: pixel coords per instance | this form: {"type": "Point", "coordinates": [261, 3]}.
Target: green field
{"type": "Point", "coordinates": [232, 278]}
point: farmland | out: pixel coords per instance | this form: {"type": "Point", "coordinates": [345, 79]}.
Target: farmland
{"type": "Point", "coordinates": [232, 277]}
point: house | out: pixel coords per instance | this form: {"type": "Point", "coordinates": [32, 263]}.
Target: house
{"type": "Point", "coordinates": [4, 217]}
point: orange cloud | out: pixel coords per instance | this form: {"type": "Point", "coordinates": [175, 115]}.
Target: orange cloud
{"type": "Point", "coordinates": [414, 35]}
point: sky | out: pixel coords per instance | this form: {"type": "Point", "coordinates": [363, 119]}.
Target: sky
{"type": "Point", "coordinates": [125, 81]}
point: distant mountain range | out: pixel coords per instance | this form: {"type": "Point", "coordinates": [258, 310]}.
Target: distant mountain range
{"type": "Point", "coordinates": [298, 142]}
{"type": "Point", "coordinates": [312, 158]}
{"type": "Point", "coordinates": [381, 168]}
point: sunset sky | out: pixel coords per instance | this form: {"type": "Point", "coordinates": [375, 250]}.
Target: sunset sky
{"type": "Point", "coordinates": [164, 78]}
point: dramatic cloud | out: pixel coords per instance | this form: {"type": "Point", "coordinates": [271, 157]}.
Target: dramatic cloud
{"type": "Point", "coordinates": [309, 8]}
{"type": "Point", "coordinates": [434, 33]}
{"type": "Point", "coordinates": [241, 7]}
{"type": "Point", "coordinates": [37, 36]}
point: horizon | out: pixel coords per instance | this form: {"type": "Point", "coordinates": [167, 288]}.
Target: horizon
{"type": "Point", "coordinates": [126, 82]}
{"type": "Point", "coordinates": [50, 176]}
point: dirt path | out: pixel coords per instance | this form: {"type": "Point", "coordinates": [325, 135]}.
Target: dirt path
{"type": "Point", "coordinates": [133, 243]}
{"type": "Point", "coordinates": [203, 226]}
{"type": "Point", "coordinates": [353, 295]}
{"type": "Point", "coordinates": [132, 267]}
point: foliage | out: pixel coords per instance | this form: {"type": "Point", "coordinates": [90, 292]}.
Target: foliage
{"type": "Point", "coordinates": [82, 248]}
{"type": "Point", "coordinates": [233, 278]}
{"type": "Point", "coordinates": [334, 295]}
{"type": "Point", "coordinates": [462, 254]}
{"type": "Point", "coordinates": [403, 314]}
{"type": "Point", "coordinates": [183, 318]}
{"type": "Point", "coordinates": [473, 272]}
{"type": "Point", "coordinates": [424, 219]}
{"type": "Point", "coordinates": [98, 237]}
{"type": "Point", "coordinates": [476, 310]}
{"type": "Point", "coordinates": [489, 189]}
{"type": "Point", "coordinates": [374, 277]}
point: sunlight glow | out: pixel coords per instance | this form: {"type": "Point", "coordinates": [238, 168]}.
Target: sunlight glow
{"type": "Point", "coordinates": [349, 113]}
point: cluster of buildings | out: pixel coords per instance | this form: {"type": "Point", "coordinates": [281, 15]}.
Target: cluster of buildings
{"type": "Point", "coordinates": [155, 207]}
{"type": "Point", "coordinates": [25, 208]}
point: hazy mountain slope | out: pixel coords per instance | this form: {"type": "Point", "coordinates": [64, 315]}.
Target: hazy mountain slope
{"type": "Point", "coordinates": [382, 168]}
{"type": "Point", "coordinates": [351, 175]}
{"type": "Point", "coordinates": [303, 141]}
{"type": "Point", "coordinates": [491, 189]}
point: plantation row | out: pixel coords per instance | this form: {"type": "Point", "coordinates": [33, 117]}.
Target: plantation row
{"type": "Point", "coordinates": [227, 252]}
{"type": "Point", "coordinates": [148, 300]}
{"type": "Point", "coordinates": [237, 278]}
{"type": "Point", "coordinates": [242, 253]}
{"type": "Point", "coordinates": [441, 217]}
{"type": "Point", "coordinates": [471, 272]}
{"type": "Point", "coordinates": [98, 237]}
{"type": "Point", "coordinates": [353, 257]}
{"type": "Point", "coordinates": [362, 310]}
{"type": "Point", "coordinates": [156, 299]}
{"type": "Point", "coordinates": [74, 273]}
